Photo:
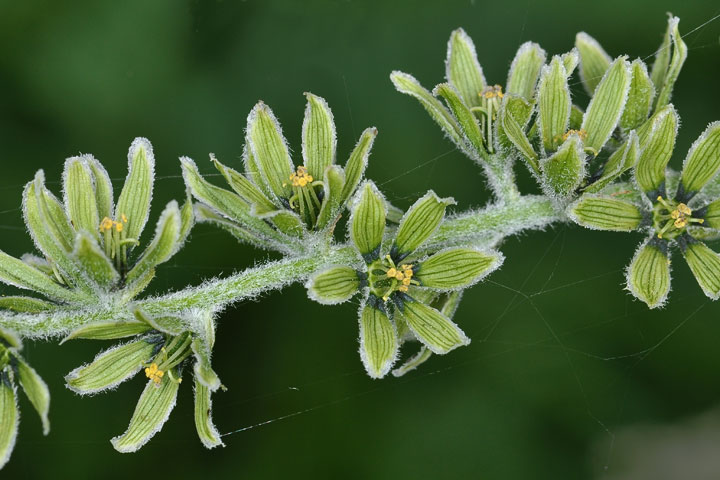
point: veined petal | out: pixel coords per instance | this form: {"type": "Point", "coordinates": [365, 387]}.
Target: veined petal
{"type": "Point", "coordinates": [9, 417]}
{"type": "Point", "coordinates": [333, 285]}
{"type": "Point", "coordinates": [462, 68]}
{"type": "Point", "coordinates": [705, 266]}
{"type": "Point", "coordinates": [79, 189]}
{"type": "Point", "coordinates": [563, 172]}
{"type": "Point", "coordinates": [456, 268]}
{"type": "Point", "coordinates": [318, 134]}
{"type": "Point", "coordinates": [136, 195]}
{"type": "Point", "coordinates": [378, 341]}
{"type": "Point", "coordinates": [36, 390]}
{"type": "Point", "coordinates": [466, 119]}
{"type": "Point", "coordinates": [702, 162]}
{"type": "Point", "coordinates": [418, 223]}
{"type": "Point", "coordinates": [648, 275]}
{"type": "Point", "coordinates": [525, 69]}
{"type": "Point", "coordinates": [640, 97]}
{"type": "Point", "coordinates": [553, 103]}
{"type": "Point", "coordinates": [605, 213]}
{"type": "Point", "coordinates": [432, 328]}
{"type": "Point", "coordinates": [594, 61]}
{"type": "Point", "coordinates": [209, 436]}
{"type": "Point", "coordinates": [657, 142]}
{"type": "Point", "coordinates": [367, 221]}
{"type": "Point", "coordinates": [269, 149]}
{"type": "Point", "coordinates": [356, 164]}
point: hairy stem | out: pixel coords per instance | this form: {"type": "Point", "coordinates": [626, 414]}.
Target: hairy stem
{"type": "Point", "coordinates": [482, 228]}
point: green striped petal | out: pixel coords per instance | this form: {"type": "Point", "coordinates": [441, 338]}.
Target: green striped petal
{"type": "Point", "coordinates": [378, 341]}
{"type": "Point", "coordinates": [648, 276]}
{"type": "Point", "coordinates": [605, 213]}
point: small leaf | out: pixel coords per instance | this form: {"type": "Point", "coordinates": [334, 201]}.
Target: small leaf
{"type": "Point", "coordinates": [103, 187]}
{"type": "Point", "coordinates": [702, 162]}
{"type": "Point", "coordinates": [378, 341]}
{"type": "Point", "coordinates": [455, 268]}
{"type": "Point", "coordinates": [9, 417]}
{"type": "Point", "coordinates": [17, 273]}
{"type": "Point", "coordinates": [563, 172]}
{"type": "Point", "coordinates": [26, 304]}
{"type": "Point", "coordinates": [648, 276]}
{"type": "Point", "coordinates": [152, 411]}
{"type": "Point", "coordinates": [607, 104]}
{"type": "Point", "coordinates": [525, 69]}
{"type": "Point", "coordinates": [407, 84]}
{"type": "Point", "coordinates": [467, 120]}
{"type": "Point", "coordinates": [135, 197]}
{"type": "Point", "coordinates": [79, 187]}
{"type": "Point", "coordinates": [111, 330]}
{"type": "Point", "coordinates": [163, 245]}
{"type": "Point", "coordinates": [605, 213]}
{"type": "Point", "coordinates": [594, 61]}
{"type": "Point", "coordinates": [367, 220]}
{"type": "Point", "coordinates": [553, 103]}
{"type": "Point", "coordinates": [462, 68]}
{"type": "Point", "coordinates": [418, 223]}
{"type": "Point", "coordinates": [318, 133]}
{"type": "Point", "coordinates": [206, 430]}
{"type": "Point", "coordinates": [672, 70]}
{"type": "Point", "coordinates": [432, 328]}
{"type": "Point", "coordinates": [96, 265]}
{"type": "Point", "coordinates": [110, 367]}
{"type": "Point", "coordinates": [640, 97]}
{"type": "Point", "coordinates": [356, 164]}
{"type": "Point", "coordinates": [36, 390]}
{"type": "Point", "coordinates": [269, 149]}
{"type": "Point", "coordinates": [656, 143]}
{"type": "Point", "coordinates": [705, 266]}
{"type": "Point", "coordinates": [333, 285]}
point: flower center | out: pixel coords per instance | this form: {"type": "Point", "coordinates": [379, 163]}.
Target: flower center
{"type": "Point", "coordinates": [305, 200]}
{"type": "Point", "coordinates": [387, 278]}
{"type": "Point", "coordinates": [490, 99]}
{"type": "Point", "coordinates": [671, 218]}
{"type": "Point", "coordinates": [116, 240]}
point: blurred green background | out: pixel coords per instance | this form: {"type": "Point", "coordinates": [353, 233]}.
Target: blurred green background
{"type": "Point", "coordinates": [563, 361]}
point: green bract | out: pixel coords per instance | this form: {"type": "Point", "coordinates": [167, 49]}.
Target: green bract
{"type": "Point", "coordinates": [398, 281]}
{"type": "Point", "coordinates": [275, 204]}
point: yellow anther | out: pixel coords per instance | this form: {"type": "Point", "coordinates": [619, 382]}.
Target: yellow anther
{"type": "Point", "coordinates": [154, 373]}
{"type": "Point", "coordinates": [403, 288]}
{"type": "Point", "coordinates": [123, 218]}
{"type": "Point", "coordinates": [492, 92]}
{"type": "Point", "coordinates": [582, 133]}
{"type": "Point", "coordinates": [680, 215]}
{"type": "Point", "coordinates": [106, 224]}
{"type": "Point", "coordinates": [301, 177]}
{"type": "Point", "coordinates": [399, 275]}
{"type": "Point", "coordinates": [406, 281]}
{"type": "Point", "coordinates": [392, 272]}
{"type": "Point", "coordinates": [118, 226]}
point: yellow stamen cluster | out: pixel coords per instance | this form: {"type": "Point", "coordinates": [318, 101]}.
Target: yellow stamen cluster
{"type": "Point", "coordinates": [680, 215]}
{"type": "Point", "coordinates": [582, 133]}
{"type": "Point", "coordinates": [107, 225]}
{"type": "Point", "coordinates": [402, 274]}
{"type": "Point", "coordinates": [301, 178]}
{"type": "Point", "coordinates": [154, 373]}
{"type": "Point", "coordinates": [493, 92]}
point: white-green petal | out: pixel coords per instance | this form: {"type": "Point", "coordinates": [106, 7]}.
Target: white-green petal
{"type": "Point", "coordinates": [163, 245]}
{"type": "Point", "coordinates": [419, 222]}
{"type": "Point", "coordinates": [19, 274]}
{"type": "Point", "coordinates": [607, 104]}
{"type": "Point", "coordinates": [103, 187]}
{"type": "Point", "coordinates": [432, 328]}
{"type": "Point", "coordinates": [456, 268]}
{"type": "Point", "coordinates": [466, 119]}
{"type": "Point", "coordinates": [111, 330]}
{"type": "Point", "coordinates": [95, 264]}
{"type": "Point", "coordinates": [553, 103]}
{"type": "Point", "coordinates": [367, 220]}
{"type": "Point", "coordinates": [703, 160]}
{"type": "Point", "coordinates": [333, 285]}
{"type": "Point", "coordinates": [594, 61]}
{"type": "Point", "coordinates": [79, 190]}
{"type": "Point", "coordinates": [378, 341]}
{"type": "Point", "coordinates": [152, 411]}
{"type": "Point", "coordinates": [413, 362]}
{"type": "Point", "coordinates": [202, 369]}
{"type": "Point", "coordinates": [136, 195]}
{"type": "Point", "coordinates": [318, 136]}
{"type": "Point", "coordinates": [269, 149]}
{"type": "Point", "coordinates": [110, 367]}
{"type": "Point", "coordinates": [209, 436]}
{"type": "Point", "coordinates": [407, 84]}
{"type": "Point", "coordinates": [648, 275]}
{"type": "Point", "coordinates": [9, 417]}
{"type": "Point", "coordinates": [525, 69]}
{"type": "Point", "coordinates": [333, 183]}
{"type": "Point", "coordinates": [563, 172]}
{"type": "Point", "coordinates": [244, 187]}
{"type": "Point", "coordinates": [705, 266]}
{"type": "Point", "coordinates": [605, 213]}
{"type": "Point", "coordinates": [640, 97]}
{"type": "Point", "coordinates": [462, 68]}
{"type": "Point", "coordinates": [622, 160]}
{"type": "Point", "coordinates": [357, 163]}
{"type": "Point", "coordinates": [657, 142]}
{"type": "Point", "coordinates": [37, 392]}
{"type": "Point", "coordinates": [25, 304]}
{"type": "Point", "coordinates": [670, 66]}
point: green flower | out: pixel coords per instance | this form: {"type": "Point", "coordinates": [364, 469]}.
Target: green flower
{"type": "Point", "coordinates": [89, 246]}
{"type": "Point", "coordinates": [671, 211]}
{"type": "Point", "coordinates": [162, 348]}
{"type": "Point", "coordinates": [14, 370]}
{"type": "Point", "coordinates": [275, 203]}
{"type": "Point", "coordinates": [400, 283]}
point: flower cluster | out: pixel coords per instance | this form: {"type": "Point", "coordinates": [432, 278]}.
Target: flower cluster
{"type": "Point", "coordinates": [400, 283]}
{"type": "Point", "coordinates": [88, 244]}
{"type": "Point", "coordinates": [275, 204]}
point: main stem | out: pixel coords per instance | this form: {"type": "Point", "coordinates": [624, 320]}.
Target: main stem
{"type": "Point", "coordinates": [481, 228]}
